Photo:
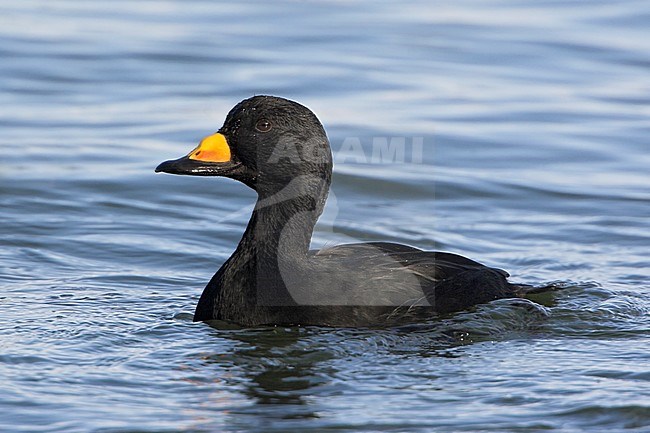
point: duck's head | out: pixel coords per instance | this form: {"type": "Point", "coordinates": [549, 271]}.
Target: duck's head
{"type": "Point", "coordinates": [266, 142]}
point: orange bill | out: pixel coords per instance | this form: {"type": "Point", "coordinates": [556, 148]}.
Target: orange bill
{"type": "Point", "coordinates": [213, 148]}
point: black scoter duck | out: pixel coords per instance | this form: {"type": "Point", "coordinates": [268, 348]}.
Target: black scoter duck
{"type": "Point", "coordinates": [279, 148]}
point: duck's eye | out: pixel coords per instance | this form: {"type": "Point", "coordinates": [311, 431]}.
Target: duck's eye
{"type": "Point", "coordinates": [263, 125]}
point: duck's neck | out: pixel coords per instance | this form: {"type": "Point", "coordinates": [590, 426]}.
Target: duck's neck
{"type": "Point", "coordinates": [283, 220]}
{"type": "Point", "coordinates": [272, 251]}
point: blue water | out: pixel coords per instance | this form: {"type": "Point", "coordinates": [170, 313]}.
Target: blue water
{"type": "Point", "coordinates": [534, 119]}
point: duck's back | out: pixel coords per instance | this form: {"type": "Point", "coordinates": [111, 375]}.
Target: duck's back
{"type": "Point", "coordinates": [399, 275]}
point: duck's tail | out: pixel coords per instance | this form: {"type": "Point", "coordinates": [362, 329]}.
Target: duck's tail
{"type": "Point", "coordinates": [524, 290]}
